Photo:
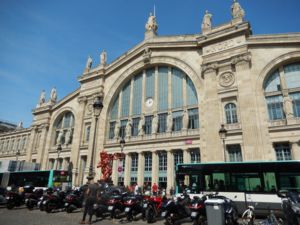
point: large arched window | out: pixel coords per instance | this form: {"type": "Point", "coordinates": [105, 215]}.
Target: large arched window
{"type": "Point", "coordinates": [64, 129]}
{"type": "Point", "coordinates": [152, 95]}
{"type": "Point", "coordinates": [282, 92]}
{"type": "Point", "coordinates": [231, 115]}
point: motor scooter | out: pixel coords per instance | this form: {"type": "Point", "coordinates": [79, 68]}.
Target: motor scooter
{"type": "Point", "coordinates": [290, 204]}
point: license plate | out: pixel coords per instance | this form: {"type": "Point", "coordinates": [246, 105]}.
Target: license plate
{"type": "Point", "coordinates": [110, 208]}
{"type": "Point", "coordinates": [145, 205]}
{"type": "Point", "coordinates": [7, 197]}
{"type": "Point", "coordinates": [127, 209]}
{"type": "Point", "coordinates": [163, 214]}
{"type": "Point", "coordinates": [194, 214]}
{"type": "Point", "coordinates": [66, 204]}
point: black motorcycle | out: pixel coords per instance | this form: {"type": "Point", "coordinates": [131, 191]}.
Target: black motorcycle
{"type": "Point", "coordinates": [33, 198]}
{"type": "Point", "coordinates": [176, 211]}
{"type": "Point", "coordinates": [290, 206]}
{"type": "Point", "coordinates": [133, 206]}
{"type": "Point", "coordinates": [55, 201]}
{"type": "Point", "coordinates": [73, 201]}
{"type": "Point", "coordinates": [198, 211]}
{"type": "Point", "coordinates": [14, 199]}
{"type": "Point", "coordinates": [116, 205]}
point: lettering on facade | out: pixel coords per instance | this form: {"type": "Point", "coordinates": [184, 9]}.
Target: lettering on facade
{"type": "Point", "coordinates": [221, 46]}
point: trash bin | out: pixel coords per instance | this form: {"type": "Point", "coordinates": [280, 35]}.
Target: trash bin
{"type": "Point", "coordinates": [215, 211]}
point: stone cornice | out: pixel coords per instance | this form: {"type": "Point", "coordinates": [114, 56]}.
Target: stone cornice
{"type": "Point", "coordinates": [22, 132]}
{"type": "Point", "coordinates": [289, 38]}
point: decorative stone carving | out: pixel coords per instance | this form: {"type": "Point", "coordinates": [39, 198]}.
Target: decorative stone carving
{"type": "Point", "coordinates": [226, 79]}
{"type": "Point", "coordinates": [185, 120]}
{"type": "Point", "coordinates": [241, 58]}
{"type": "Point", "coordinates": [59, 137]}
{"type": "Point", "coordinates": [206, 22]}
{"type": "Point", "coordinates": [53, 95]}
{"type": "Point", "coordinates": [68, 137]}
{"type": "Point", "coordinates": [154, 124]}
{"type": "Point", "coordinates": [89, 63]}
{"type": "Point", "coordinates": [224, 45]}
{"type": "Point", "coordinates": [117, 130]}
{"type": "Point", "coordinates": [169, 122]}
{"type": "Point", "coordinates": [147, 55]}
{"type": "Point", "coordinates": [128, 128]}
{"type": "Point", "coordinates": [141, 126]}
{"type": "Point", "coordinates": [288, 106]}
{"type": "Point", "coordinates": [103, 58]}
{"type": "Point", "coordinates": [42, 98]}
{"type": "Point", "coordinates": [151, 24]}
{"type": "Point", "coordinates": [209, 67]}
{"type": "Point", "coordinates": [237, 11]}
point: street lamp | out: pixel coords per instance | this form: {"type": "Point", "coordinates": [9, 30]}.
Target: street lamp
{"type": "Point", "coordinates": [58, 153]}
{"type": "Point", "coordinates": [97, 107]}
{"type": "Point", "coordinates": [222, 133]}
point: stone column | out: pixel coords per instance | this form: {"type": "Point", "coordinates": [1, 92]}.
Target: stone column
{"type": "Point", "coordinates": [115, 173]}
{"type": "Point", "coordinates": [154, 168]}
{"type": "Point", "coordinates": [170, 171]}
{"type": "Point", "coordinates": [42, 151]}
{"type": "Point", "coordinates": [186, 159]}
{"type": "Point", "coordinates": [212, 149]}
{"type": "Point", "coordinates": [295, 150]}
{"type": "Point", "coordinates": [77, 135]}
{"type": "Point", "coordinates": [30, 143]}
{"type": "Point", "coordinates": [140, 172]}
{"type": "Point", "coordinates": [127, 170]}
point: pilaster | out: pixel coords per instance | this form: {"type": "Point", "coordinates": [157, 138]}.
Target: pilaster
{"type": "Point", "coordinates": [42, 154]}
{"type": "Point", "coordinates": [154, 167]}
{"type": "Point", "coordinates": [295, 150]}
{"type": "Point", "coordinates": [115, 172]}
{"type": "Point", "coordinates": [29, 146]}
{"type": "Point", "coordinates": [141, 166]}
{"type": "Point", "coordinates": [170, 171]}
{"type": "Point", "coordinates": [127, 170]}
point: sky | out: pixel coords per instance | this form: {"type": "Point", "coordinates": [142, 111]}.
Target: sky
{"type": "Point", "coordinates": [45, 44]}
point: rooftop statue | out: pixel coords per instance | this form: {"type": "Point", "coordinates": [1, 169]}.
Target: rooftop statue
{"type": "Point", "coordinates": [236, 10]}
{"type": "Point", "coordinates": [103, 58]}
{"type": "Point", "coordinates": [206, 22]}
{"type": "Point", "coordinates": [53, 95]}
{"type": "Point", "coordinates": [151, 24]}
{"type": "Point", "coordinates": [42, 98]}
{"type": "Point", "coordinates": [89, 63]}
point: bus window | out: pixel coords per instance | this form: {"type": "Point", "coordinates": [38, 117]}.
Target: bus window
{"type": "Point", "coordinates": [216, 182]}
{"type": "Point", "coordinates": [194, 183]}
{"type": "Point", "coordinates": [246, 182]}
{"type": "Point", "coordinates": [270, 182]}
{"type": "Point", "coordinates": [289, 181]}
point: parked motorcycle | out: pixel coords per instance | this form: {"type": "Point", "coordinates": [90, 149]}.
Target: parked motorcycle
{"type": "Point", "coordinates": [152, 207]}
{"type": "Point", "coordinates": [55, 201]}
{"type": "Point", "coordinates": [133, 206]}
{"type": "Point", "coordinates": [198, 211]}
{"type": "Point", "coordinates": [176, 210]}
{"type": "Point", "coordinates": [290, 206]}
{"type": "Point", "coordinates": [116, 205]}
{"type": "Point", "coordinates": [101, 206]}
{"type": "Point", "coordinates": [14, 199]}
{"type": "Point", "coordinates": [33, 198]}
{"type": "Point", "coordinates": [73, 201]}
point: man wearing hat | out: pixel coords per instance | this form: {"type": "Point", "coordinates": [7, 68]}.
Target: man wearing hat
{"type": "Point", "coordinates": [91, 196]}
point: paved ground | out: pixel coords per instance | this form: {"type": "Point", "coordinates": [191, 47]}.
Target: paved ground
{"type": "Point", "coordinates": [22, 216]}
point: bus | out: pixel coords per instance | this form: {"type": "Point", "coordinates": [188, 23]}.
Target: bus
{"type": "Point", "coordinates": [246, 183]}
{"type": "Point", "coordinates": [36, 178]}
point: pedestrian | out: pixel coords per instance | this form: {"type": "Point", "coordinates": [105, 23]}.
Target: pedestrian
{"type": "Point", "coordinates": [136, 189]}
{"type": "Point", "coordinates": [91, 195]}
{"type": "Point", "coordinates": [154, 189]}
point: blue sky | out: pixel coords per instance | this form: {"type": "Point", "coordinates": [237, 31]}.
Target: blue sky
{"type": "Point", "coordinates": [45, 44]}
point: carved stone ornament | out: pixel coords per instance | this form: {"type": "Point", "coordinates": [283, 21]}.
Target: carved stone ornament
{"type": "Point", "coordinates": [241, 58]}
{"type": "Point", "coordinates": [147, 55]}
{"type": "Point", "coordinates": [209, 67]}
{"type": "Point", "coordinates": [226, 79]}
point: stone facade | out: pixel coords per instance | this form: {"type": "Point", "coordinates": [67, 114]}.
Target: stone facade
{"type": "Point", "coordinates": [226, 64]}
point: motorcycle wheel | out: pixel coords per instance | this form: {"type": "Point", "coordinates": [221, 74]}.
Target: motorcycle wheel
{"type": "Point", "coordinates": [150, 214]}
{"type": "Point", "coordinates": [69, 209]}
{"type": "Point", "coordinates": [117, 214]}
{"type": "Point", "coordinates": [169, 221]}
{"type": "Point", "coordinates": [200, 221]}
{"type": "Point", "coordinates": [30, 206]}
{"type": "Point", "coordinates": [48, 209]}
{"type": "Point", "coordinates": [10, 205]}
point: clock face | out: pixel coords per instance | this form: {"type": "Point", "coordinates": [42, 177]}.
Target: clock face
{"type": "Point", "coordinates": [149, 102]}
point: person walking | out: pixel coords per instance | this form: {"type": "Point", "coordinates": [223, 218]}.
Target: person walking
{"type": "Point", "coordinates": [91, 195]}
{"type": "Point", "coordinates": [154, 189]}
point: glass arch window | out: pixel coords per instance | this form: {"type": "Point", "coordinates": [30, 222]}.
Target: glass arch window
{"type": "Point", "coordinates": [64, 128]}
{"type": "Point", "coordinates": [230, 112]}
{"type": "Point", "coordinates": [282, 88]}
{"type": "Point", "coordinates": [160, 89]}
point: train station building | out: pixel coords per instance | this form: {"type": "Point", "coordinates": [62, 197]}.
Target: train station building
{"type": "Point", "coordinates": [222, 94]}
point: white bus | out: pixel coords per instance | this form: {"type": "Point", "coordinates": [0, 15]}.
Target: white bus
{"type": "Point", "coordinates": [246, 183]}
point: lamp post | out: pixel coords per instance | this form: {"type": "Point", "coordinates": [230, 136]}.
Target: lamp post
{"type": "Point", "coordinates": [222, 133]}
{"type": "Point", "coordinates": [58, 153]}
{"type": "Point", "coordinates": [97, 107]}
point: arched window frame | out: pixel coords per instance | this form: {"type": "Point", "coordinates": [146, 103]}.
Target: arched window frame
{"type": "Point", "coordinates": [64, 122]}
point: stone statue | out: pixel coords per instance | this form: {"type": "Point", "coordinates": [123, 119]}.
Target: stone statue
{"type": "Point", "coordinates": [59, 137]}
{"type": "Point", "coordinates": [236, 10]}
{"type": "Point", "coordinates": [206, 22]}
{"type": "Point", "coordinates": [128, 128]}
{"type": "Point", "coordinates": [68, 136]}
{"type": "Point", "coordinates": [288, 106]}
{"type": "Point", "coordinates": [141, 126]}
{"type": "Point", "coordinates": [117, 130]}
{"type": "Point", "coordinates": [103, 58]}
{"type": "Point", "coordinates": [20, 125]}
{"type": "Point", "coordinates": [169, 122]}
{"type": "Point", "coordinates": [53, 95]}
{"type": "Point", "coordinates": [89, 63]}
{"type": "Point", "coordinates": [151, 24]}
{"type": "Point", "coordinates": [154, 124]}
{"type": "Point", "coordinates": [185, 120]}
{"type": "Point", "coordinates": [42, 98]}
